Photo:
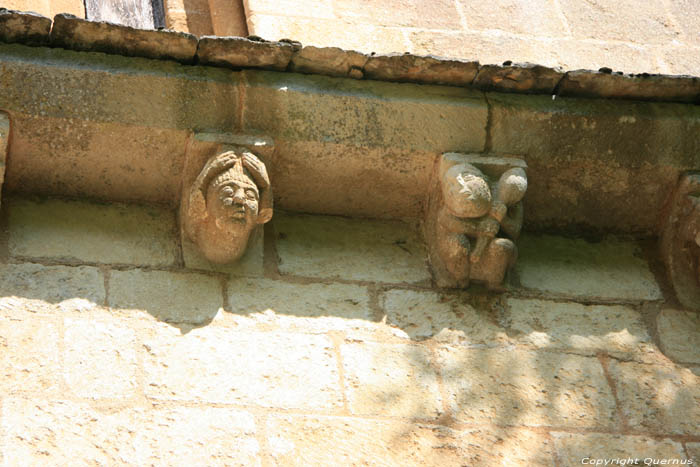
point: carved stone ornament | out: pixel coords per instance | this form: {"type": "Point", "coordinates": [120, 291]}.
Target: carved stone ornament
{"type": "Point", "coordinates": [475, 212]}
{"type": "Point", "coordinates": [229, 198]}
{"type": "Point", "coordinates": [680, 241]}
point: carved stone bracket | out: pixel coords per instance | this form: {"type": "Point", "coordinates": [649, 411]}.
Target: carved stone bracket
{"type": "Point", "coordinates": [474, 215]}
{"type": "Point", "coordinates": [680, 241]}
{"type": "Point", "coordinates": [226, 194]}
{"type": "Point", "coordinates": [4, 140]}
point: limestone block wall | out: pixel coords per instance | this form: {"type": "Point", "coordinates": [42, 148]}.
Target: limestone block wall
{"type": "Point", "coordinates": [327, 345]}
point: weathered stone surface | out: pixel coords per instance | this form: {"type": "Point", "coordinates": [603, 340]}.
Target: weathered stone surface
{"type": "Point", "coordinates": [294, 8]}
{"type": "Point", "coordinates": [584, 83]}
{"type": "Point", "coordinates": [586, 156]}
{"type": "Point", "coordinates": [29, 345]}
{"type": "Point", "coordinates": [504, 387]}
{"type": "Point", "coordinates": [684, 15]}
{"type": "Point", "coordinates": [538, 17]}
{"type": "Point", "coordinates": [329, 61]}
{"type": "Point", "coordinates": [328, 247]}
{"type": "Point", "coordinates": [24, 27]}
{"type": "Point", "coordinates": [40, 289]}
{"type": "Point", "coordinates": [679, 332]}
{"type": "Point", "coordinates": [239, 52]}
{"type": "Point", "coordinates": [574, 448]}
{"type": "Point", "coordinates": [83, 231]}
{"type": "Point", "coordinates": [168, 296]}
{"type": "Point", "coordinates": [4, 140]}
{"type": "Point", "coordinates": [662, 399]}
{"type": "Point", "coordinates": [442, 14]}
{"type": "Point", "coordinates": [304, 308]}
{"type": "Point", "coordinates": [694, 451]}
{"type": "Point", "coordinates": [62, 432]}
{"type": "Point", "coordinates": [611, 269]}
{"type": "Point", "coordinates": [417, 69]}
{"type": "Point", "coordinates": [75, 33]}
{"type": "Point", "coordinates": [615, 330]}
{"type": "Point", "coordinates": [525, 78]}
{"type": "Point", "coordinates": [390, 379]}
{"type": "Point", "coordinates": [99, 358]}
{"type": "Point", "coordinates": [295, 440]}
{"type": "Point", "coordinates": [421, 315]}
{"type": "Point", "coordinates": [624, 20]}
{"type": "Point", "coordinates": [216, 364]}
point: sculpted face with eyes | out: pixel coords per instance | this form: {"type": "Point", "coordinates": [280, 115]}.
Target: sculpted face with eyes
{"type": "Point", "coordinates": [228, 200]}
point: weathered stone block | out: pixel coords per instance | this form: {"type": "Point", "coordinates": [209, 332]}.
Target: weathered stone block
{"type": "Point", "coordinates": [612, 269]}
{"type": "Point", "coordinates": [420, 315]}
{"type": "Point", "coordinates": [330, 61]}
{"type": "Point", "coordinates": [693, 450]}
{"type": "Point", "coordinates": [292, 8]}
{"type": "Point", "coordinates": [661, 399]}
{"type": "Point", "coordinates": [624, 20]}
{"type": "Point", "coordinates": [83, 231]}
{"type": "Point", "coordinates": [679, 334]}
{"type": "Point", "coordinates": [295, 440]}
{"type": "Point", "coordinates": [390, 380]}
{"type": "Point", "coordinates": [520, 77]}
{"type": "Point", "coordinates": [327, 247]}
{"type": "Point", "coordinates": [215, 364]}
{"type": "Point", "coordinates": [239, 52]}
{"type": "Point", "coordinates": [615, 330]}
{"type": "Point", "coordinates": [62, 432]}
{"type": "Point", "coordinates": [36, 288]}
{"type": "Point", "coordinates": [168, 296]}
{"type": "Point", "coordinates": [30, 361]}
{"type": "Point", "coordinates": [604, 149]}
{"type": "Point", "coordinates": [24, 27]}
{"type": "Point", "coordinates": [4, 140]}
{"type": "Point", "coordinates": [574, 448]}
{"type": "Point", "coordinates": [526, 388]}
{"type": "Point", "coordinates": [99, 358]}
{"type": "Point", "coordinates": [538, 17]}
{"type": "Point", "coordinates": [75, 33]}
{"type": "Point", "coordinates": [311, 308]}
{"type": "Point", "coordinates": [416, 69]}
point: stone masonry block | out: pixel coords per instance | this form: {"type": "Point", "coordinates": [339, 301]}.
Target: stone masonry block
{"type": "Point", "coordinates": [390, 380]}
{"type": "Point", "coordinates": [83, 231]}
{"type": "Point", "coordinates": [381, 251]}
{"type": "Point", "coordinates": [679, 332]}
{"type": "Point", "coordinates": [574, 447]}
{"type": "Point", "coordinates": [36, 288]}
{"type": "Point", "coordinates": [295, 440]}
{"type": "Point", "coordinates": [29, 359]}
{"type": "Point", "coordinates": [294, 8]}
{"type": "Point", "coordinates": [504, 387]}
{"type": "Point", "coordinates": [442, 14]}
{"type": "Point", "coordinates": [220, 365]}
{"type": "Point", "coordinates": [615, 330]}
{"type": "Point", "coordinates": [4, 140]}
{"type": "Point", "coordinates": [100, 358]}
{"type": "Point", "coordinates": [612, 269]}
{"type": "Point", "coordinates": [420, 315]}
{"type": "Point", "coordinates": [605, 149]}
{"type": "Point", "coordinates": [660, 398]}
{"type": "Point", "coordinates": [168, 296]}
{"type": "Point", "coordinates": [62, 432]}
{"type": "Point", "coordinates": [312, 308]}
{"type": "Point", "coordinates": [24, 27]}
{"type": "Point", "coordinates": [539, 16]}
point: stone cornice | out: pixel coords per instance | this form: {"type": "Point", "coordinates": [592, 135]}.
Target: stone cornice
{"type": "Point", "coordinates": [67, 31]}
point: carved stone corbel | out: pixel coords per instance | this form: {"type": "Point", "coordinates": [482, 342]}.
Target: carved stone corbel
{"type": "Point", "coordinates": [226, 195]}
{"type": "Point", "coordinates": [474, 214]}
{"type": "Point", "coordinates": [680, 241]}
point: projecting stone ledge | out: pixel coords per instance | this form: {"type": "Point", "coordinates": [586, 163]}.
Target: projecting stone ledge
{"type": "Point", "coordinates": [239, 52]}
{"type": "Point", "coordinates": [24, 27]}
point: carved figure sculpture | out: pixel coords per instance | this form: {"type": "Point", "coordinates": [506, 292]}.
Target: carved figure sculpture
{"type": "Point", "coordinates": [680, 241]}
{"type": "Point", "coordinates": [230, 197]}
{"type": "Point", "coordinates": [472, 222]}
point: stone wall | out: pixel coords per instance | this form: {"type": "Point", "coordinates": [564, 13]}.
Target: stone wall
{"type": "Point", "coordinates": [328, 346]}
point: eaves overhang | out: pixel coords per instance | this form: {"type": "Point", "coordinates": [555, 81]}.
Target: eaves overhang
{"type": "Point", "coordinates": [350, 134]}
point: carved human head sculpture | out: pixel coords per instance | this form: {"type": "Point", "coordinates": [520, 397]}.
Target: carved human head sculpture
{"type": "Point", "coordinates": [228, 200]}
{"type": "Point", "coordinates": [466, 191]}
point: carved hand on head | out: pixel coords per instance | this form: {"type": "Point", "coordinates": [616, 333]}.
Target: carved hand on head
{"type": "Point", "coordinates": [466, 191]}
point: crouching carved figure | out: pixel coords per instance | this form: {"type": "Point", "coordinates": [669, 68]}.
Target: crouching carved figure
{"type": "Point", "coordinates": [680, 241]}
{"type": "Point", "coordinates": [229, 198]}
{"type": "Point", "coordinates": [475, 213]}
